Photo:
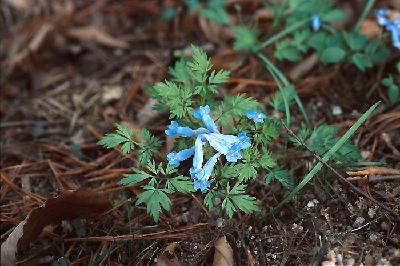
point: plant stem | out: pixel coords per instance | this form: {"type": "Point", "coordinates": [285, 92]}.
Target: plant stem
{"type": "Point", "coordinates": [283, 33]}
{"type": "Point", "coordinates": [364, 14]}
{"type": "Point", "coordinates": [271, 66]}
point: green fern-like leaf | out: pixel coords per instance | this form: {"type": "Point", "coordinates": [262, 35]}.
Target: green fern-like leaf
{"type": "Point", "coordinates": [122, 136]}
{"type": "Point", "coordinates": [156, 200]}
{"type": "Point", "coordinates": [182, 184]}
{"type": "Point", "coordinates": [281, 175]}
{"type": "Point", "coordinates": [200, 63]}
{"type": "Point", "coordinates": [132, 179]}
{"type": "Point", "coordinates": [236, 198]}
{"type": "Point", "coordinates": [234, 106]}
{"type": "Point", "coordinates": [148, 146]}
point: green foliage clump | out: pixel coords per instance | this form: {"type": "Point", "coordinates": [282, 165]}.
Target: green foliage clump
{"type": "Point", "coordinates": [195, 83]}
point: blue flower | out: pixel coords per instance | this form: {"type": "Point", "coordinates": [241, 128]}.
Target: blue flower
{"type": "Point", "coordinates": [201, 184]}
{"type": "Point", "coordinates": [203, 113]}
{"type": "Point", "coordinates": [257, 117]}
{"type": "Point", "coordinates": [202, 175]}
{"type": "Point", "coordinates": [174, 129]}
{"type": "Point", "coordinates": [395, 35]}
{"type": "Point", "coordinates": [381, 14]}
{"type": "Point", "coordinates": [174, 158]}
{"type": "Point", "coordinates": [392, 26]}
{"type": "Point", "coordinates": [229, 145]}
{"type": "Point", "coordinates": [198, 153]}
{"type": "Point", "coordinates": [397, 23]}
{"type": "Point", "coordinates": [315, 22]}
{"type": "Point", "coordinates": [234, 152]}
{"type": "Point", "coordinates": [220, 142]}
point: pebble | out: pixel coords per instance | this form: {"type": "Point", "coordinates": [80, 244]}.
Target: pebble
{"type": "Point", "coordinates": [336, 110]}
{"type": "Point", "coordinates": [365, 154]}
{"type": "Point", "coordinates": [373, 237]}
{"type": "Point", "coordinates": [312, 203]}
{"type": "Point", "coordinates": [359, 221]}
{"type": "Point", "coordinates": [350, 261]}
{"type": "Point", "coordinates": [371, 212]}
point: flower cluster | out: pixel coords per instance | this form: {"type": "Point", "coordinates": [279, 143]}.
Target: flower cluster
{"type": "Point", "coordinates": [315, 22]}
{"type": "Point", "coordinates": [228, 145]}
{"type": "Point", "coordinates": [392, 26]}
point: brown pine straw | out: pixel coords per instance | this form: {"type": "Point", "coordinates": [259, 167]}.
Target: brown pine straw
{"type": "Point", "coordinates": [9, 182]}
{"type": "Point", "coordinates": [174, 234]}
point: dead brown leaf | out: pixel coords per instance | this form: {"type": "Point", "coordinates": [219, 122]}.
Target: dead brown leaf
{"type": "Point", "coordinates": [250, 258]}
{"type": "Point", "coordinates": [374, 170]}
{"type": "Point", "coordinates": [223, 255]}
{"type": "Point", "coordinates": [370, 28]}
{"type": "Point", "coordinates": [167, 258]}
{"type": "Point", "coordinates": [82, 203]}
{"type": "Point", "coordinates": [97, 34]}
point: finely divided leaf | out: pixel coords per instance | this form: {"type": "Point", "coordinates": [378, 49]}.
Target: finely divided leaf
{"type": "Point", "coordinates": [236, 198]}
{"type": "Point", "coordinates": [180, 72]}
{"type": "Point", "coordinates": [281, 175]}
{"type": "Point", "coordinates": [148, 146]}
{"type": "Point", "coordinates": [199, 64]}
{"type": "Point", "coordinates": [121, 136]}
{"type": "Point", "coordinates": [155, 199]}
{"type": "Point", "coordinates": [234, 106]}
{"type": "Point", "coordinates": [245, 38]}
{"type": "Point", "coordinates": [132, 179]}
{"type": "Point", "coordinates": [182, 184]}
{"type": "Point", "coordinates": [218, 77]}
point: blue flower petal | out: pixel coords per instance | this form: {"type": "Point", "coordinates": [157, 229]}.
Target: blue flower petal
{"type": "Point", "coordinates": [174, 158]}
{"type": "Point", "coordinates": [220, 142]}
{"type": "Point", "coordinates": [198, 153]}
{"type": "Point", "coordinates": [174, 129]}
{"type": "Point", "coordinates": [381, 14]}
{"type": "Point", "coordinates": [395, 31]}
{"type": "Point", "coordinates": [209, 166]}
{"type": "Point", "coordinates": [196, 173]}
{"type": "Point", "coordinates": [315, 22]}
{"type": "Point", "coordinates": [234, 152]}
{"type": "Point", "coordinates": [202, 175]}
{"type": "Point", "coordinates": [256, 116]}
{"type": "Point", "coordinates": [203, 113]}
{"type": "Point", "coordinates": [201, 184]}
{"type": "Point", "coordinates": [397, 23]}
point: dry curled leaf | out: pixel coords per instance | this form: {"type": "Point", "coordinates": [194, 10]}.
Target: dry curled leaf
{"type": "Point", "coordinates": [167, 258]}
{"type": "Point", "coordinates": [223, 255]}
{"type": "Point", "coordinates": [370, 28]}
{"type": "Point", "coordinates": [82, 203]}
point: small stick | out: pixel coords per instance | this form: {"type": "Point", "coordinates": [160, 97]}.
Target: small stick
{"type": "Point", "coordinates": [342, 178]}
{"type": "Point", "coordinates": [375, 178]}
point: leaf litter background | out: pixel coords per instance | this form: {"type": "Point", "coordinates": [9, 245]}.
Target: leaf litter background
{"type": "Point", "coordinates": [70, 70]}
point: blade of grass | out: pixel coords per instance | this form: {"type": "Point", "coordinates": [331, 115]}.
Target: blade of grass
{"type": "Point", "coordinates": [286, 83]}
{"type": "Point", "coordinates": [364, 14]}
{"type": "Point", "coordinates": [283, 33]}
{"type": "Point", "coordinates": [327, 156]}
{"type": "Point", "coordinates": [283, 93]}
